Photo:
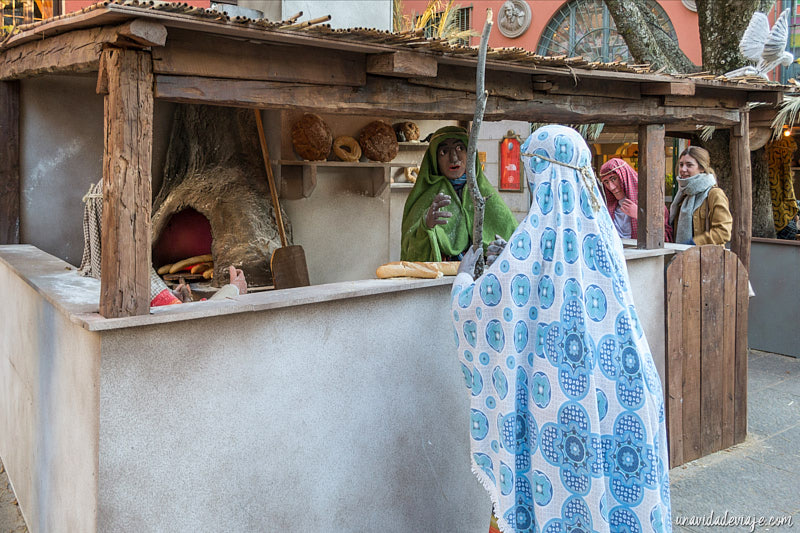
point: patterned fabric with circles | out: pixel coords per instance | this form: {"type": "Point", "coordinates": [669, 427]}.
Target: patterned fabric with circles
{"type": "Point", "coordinates": [567, 424]}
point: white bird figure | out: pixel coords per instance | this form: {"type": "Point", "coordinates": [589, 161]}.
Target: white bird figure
{"type": "Point", "coordinates": [764, 46]}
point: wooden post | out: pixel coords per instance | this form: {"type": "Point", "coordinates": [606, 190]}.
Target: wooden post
{"type": "Point", "coordinates": [741, 174]}
{"type": "Point", "coordinates": [9, 162]}
{"type": "Point", "coordinates": [651, 187]}
{"type": "Point", "coordinates": [128, 130]}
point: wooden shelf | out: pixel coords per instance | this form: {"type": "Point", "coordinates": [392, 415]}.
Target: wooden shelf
{"type": "Point", "coordinates": [406, 145]}
{"type": "Point", "coordinates": [298, 179]}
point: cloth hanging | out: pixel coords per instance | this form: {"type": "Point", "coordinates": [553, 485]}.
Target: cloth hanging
{"type": "Point", "coordinates": [92, 222]}
{"type": "Point", "coordinates": [567, 416]}
{"type": "Point", "coordinates": [781, 188]}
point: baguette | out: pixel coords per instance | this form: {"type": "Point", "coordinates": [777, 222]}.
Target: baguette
{"type": "Point", "coordinates": [190, 261]}
{"type": "Point", "coordinates": [417, 269]}
{"type": "Point", "coordinates": [164, 269]}
{"type": "Point", "coordinates": [447, 268]}
{"type": "Point", "coordinates": [208, 274]}
{"type": "Point", "coordinates": [202, 267]}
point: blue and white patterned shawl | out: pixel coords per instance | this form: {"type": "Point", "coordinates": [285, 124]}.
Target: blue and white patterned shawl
{"type": "Point", "coordinates": [567, 415]}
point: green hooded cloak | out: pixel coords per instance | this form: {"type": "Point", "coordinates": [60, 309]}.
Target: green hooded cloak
{"type": "Point", "coordinates": [422, 244]}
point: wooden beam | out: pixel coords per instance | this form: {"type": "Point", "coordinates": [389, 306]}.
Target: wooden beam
{"type": "Point", "coordinates": [402, 64]}
{"type": "Point", "coordinates": [393, 97]}
{"type": "Point", "coordinates": [773, 98]}
{"type": "Point", "coordinates": [725, 101]}
{"type": "Point", "coordinates": [741, 177]}
{"type": "Point", "coordinates": [220, 57]}
{"type": "Point", "coordinates": [664, 88]}
{"type": "Point", "coordinates": [9, 162]}
{"type": "Point", "coordinates": [652, 168]}
{"type": "Point", "coordinates": [128, 129]}
{"type": "Point", "coordinates": [143, 32]}
{"type": "Point", "coordinates": [76, 51]}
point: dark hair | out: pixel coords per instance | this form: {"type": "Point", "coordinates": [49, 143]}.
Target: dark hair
{"type": "Point", "coordinates": [702, 157]}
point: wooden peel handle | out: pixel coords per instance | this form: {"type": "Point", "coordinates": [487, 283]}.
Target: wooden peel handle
{"type": "Point", "coordinates": [273, 191]}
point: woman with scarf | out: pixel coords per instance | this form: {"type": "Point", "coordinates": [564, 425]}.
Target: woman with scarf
{"type": "Point", "coordinates": [699, 213]}
{"type": "Point", "coordinates": [437, 219]}
{"type": "Point", "coordinates": [621, 189]}
{"type": "Point", "coordinates": [566, 424]}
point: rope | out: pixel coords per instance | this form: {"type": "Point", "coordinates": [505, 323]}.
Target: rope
{"type": "Point", "coordinates": [586, 173]}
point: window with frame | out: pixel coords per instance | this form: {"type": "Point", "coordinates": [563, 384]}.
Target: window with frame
{"type": "Point", "coordinates": [19, 12]}
{"type": "Point", "coordinates": [462, 22]}
{"type": "Point", "coordinates": [585, 28]}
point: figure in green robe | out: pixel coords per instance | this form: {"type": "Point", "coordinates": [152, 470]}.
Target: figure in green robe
{"type": "Point", "coordinates": [437, 219]}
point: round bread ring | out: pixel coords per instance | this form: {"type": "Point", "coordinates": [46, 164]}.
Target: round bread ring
{"type": "Point", "coordinates": [346, 148]}
{"type": "Point", "coordinates": [411, 174]}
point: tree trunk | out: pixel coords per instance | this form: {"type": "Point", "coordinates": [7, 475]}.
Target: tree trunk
{"type": "Point", "coordinates": [763, 223]}
{"type": "Point", "coordinates": [722, 24]}
{"type": "Point", "coordinates": [646, 42]}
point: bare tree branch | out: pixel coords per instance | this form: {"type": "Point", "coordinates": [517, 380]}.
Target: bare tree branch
{"type": "Point", "coordinates": [478, 201]}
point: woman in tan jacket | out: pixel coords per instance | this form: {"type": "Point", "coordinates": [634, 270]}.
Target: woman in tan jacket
{"type": "Point", "coordinates": [699, 213]}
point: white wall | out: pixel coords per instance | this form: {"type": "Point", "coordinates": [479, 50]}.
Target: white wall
{"type": "Point", "coordinates": [345, 416]}
{"type": "Point", "coordinates": [61, 145]}
{"type": "Point", "coordinates": [49, 396]}
{"type": "Point", "coordinates": [350, 14]}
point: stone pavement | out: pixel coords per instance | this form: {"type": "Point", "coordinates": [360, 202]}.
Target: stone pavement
{"type": "Point", "coordinates": [10, 518]}
{"type": "Point", "coordinates": [758, 478]}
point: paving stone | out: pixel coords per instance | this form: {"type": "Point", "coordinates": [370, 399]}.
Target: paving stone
{"type": "Point", "coordinates": [771, 410]}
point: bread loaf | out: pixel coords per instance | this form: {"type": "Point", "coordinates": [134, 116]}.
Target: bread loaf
{"type": "Point", "coordinates": [180, 265]}
{"type": "Point", "coordinates": [418, 269]}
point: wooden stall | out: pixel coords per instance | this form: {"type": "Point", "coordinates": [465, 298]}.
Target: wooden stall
{"type": "Point", "coordinates": [142, 55]}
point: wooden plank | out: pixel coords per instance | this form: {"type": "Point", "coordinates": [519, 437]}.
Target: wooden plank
{"type": "Point", "coordinates": [594, 87]}
{"type": "Point", "coordinates": [711, 383]}
{"type": "Point", "coordinates": [741, 178]}
{"type": "Point", "coordinates": [652, 168]}
{"type": "Point", "coordinates": [733, 101]}
{"type": "Point", "coordinates": [740, 380]}
{"type": "Point", "coordinates": [674, 361]}
{"type": "Point", "coordinates": [402, 64]}
{"type": "Point", "coordinates": [9, 162]}
{"type": "Point", "coordinates": [692, 329]}
{"type": "Point", "coordinates": [664, 88]}
{"type": "Point", "coordinates": [394, 97]}
{"type": "Point", "coordinates": [514, 86]}
{"type": "Point", "coordinates": [128, 129]}
{"type": "Point", "coordinates": [187, 55]}
{"type": "Point", "coordinates": [729, 347]}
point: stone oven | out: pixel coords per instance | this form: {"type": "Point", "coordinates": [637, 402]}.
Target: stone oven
{"type": "Point", "coordinates": [214, 197]}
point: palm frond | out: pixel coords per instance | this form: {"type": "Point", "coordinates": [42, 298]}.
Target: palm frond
{"type": "Point", "coordinates": [706, 132]}
{"type": "Point", "coordinates": [787, 115]}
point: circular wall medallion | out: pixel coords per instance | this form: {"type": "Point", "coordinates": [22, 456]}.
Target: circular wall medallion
{"type": "Point", "coordinates": [514, 18]}
{"type": "Point", "coordinates": [691, 5]}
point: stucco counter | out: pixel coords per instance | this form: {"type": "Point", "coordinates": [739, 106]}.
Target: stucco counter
{"type": "Point", "coordinates": [337, 407]}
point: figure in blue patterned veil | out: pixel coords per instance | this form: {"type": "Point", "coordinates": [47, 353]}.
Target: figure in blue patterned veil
{"type": "Point", "coordinates": [567, 413]}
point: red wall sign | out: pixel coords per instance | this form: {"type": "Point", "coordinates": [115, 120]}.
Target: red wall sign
{"type": "Point", "coordinates": [510, 165]}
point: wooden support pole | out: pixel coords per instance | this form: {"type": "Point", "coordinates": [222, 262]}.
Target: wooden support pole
{"type": "Point", "coordinates": [651, 187]}
{"type": "Point", "coordinates": [9, 162]}
{"type": "Point", "coordinates": [741, 174]}
{"type": "Point", "coordinates": [128, 130]}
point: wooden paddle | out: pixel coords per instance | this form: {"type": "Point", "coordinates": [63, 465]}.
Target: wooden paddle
{"type": "Point", "coordinates": [288, 263]}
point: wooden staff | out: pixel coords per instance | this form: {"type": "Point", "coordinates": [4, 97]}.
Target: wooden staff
{"type": "Point", "coordinates": [478, 201]}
